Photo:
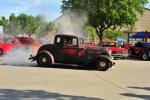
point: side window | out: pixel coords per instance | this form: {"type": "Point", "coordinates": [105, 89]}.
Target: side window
{"type": "Point", "coordinates": [74, 42]}
{"type": "Point", "coordinates": [58, 40]}
{"type": "Point", "coordinates": [138, 45]}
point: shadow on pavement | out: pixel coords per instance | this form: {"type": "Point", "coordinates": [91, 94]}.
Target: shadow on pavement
{"type": "Point", "coordinates": [12, 94]}
{"type": "Point", "coordinates": [75, 67]}
{"type": "Point", "coordinates": [59, 66]}
{"type": "Point", "coordinates": [129, 58]}
{"type": "Point", "coordinates": [145, 97]}
{"type": "Point", "coordinates": [143, 88]}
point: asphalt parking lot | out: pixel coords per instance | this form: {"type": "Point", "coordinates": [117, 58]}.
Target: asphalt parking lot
{"type": "Point", "coordinates": [127, 80]}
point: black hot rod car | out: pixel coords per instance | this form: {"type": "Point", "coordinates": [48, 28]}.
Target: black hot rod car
{"type": "Point", "coordinates": [67, 50]}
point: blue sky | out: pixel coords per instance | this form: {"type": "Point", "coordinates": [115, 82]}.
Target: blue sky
{"type": "Point", "coordinates": [49, 8]}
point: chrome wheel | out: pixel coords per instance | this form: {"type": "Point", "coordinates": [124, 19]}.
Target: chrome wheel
{"type": "Point", "coordinates": [102, 64]}
{"type": "Point", "coordinates": [44, 60]}
{"type": "Point", "coordinates": [144, 56]}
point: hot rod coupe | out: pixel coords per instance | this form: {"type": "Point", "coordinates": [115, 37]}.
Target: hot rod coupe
{"type": "Point", "coordinates": [66, 50]}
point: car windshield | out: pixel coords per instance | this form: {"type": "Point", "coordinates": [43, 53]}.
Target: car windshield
{"type": "Point", "coordinates": [108, 44]}
{"type": "Point", "coordinates": [70, 42]}
{"type": "Point", "coordinates": [7, 40]}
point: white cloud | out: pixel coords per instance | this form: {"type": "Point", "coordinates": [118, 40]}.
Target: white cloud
{"type": "Point", "coordinates": [27, 4]}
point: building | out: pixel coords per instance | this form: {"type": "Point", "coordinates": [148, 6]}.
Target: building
{"type": "Point", "coordinates": [142, 26]}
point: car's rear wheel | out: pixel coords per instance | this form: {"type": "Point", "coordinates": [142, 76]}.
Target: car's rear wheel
{"type": "Point", "coordinates": [103, 65]}
{"type": "Point", "coordinates": [144, 56]}
{"type": "Point", "coordinates": [1, 51]}
{"type": "Point", "coordinates": [44, 60]}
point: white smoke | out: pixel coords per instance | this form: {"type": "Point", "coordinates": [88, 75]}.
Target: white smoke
{"type": "Point", "coordinates": [18, 57]}
{"type": "Point", "coordinates": [71, 23]}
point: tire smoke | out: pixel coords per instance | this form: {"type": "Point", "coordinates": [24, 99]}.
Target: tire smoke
{"type": "Point", "coordinates": [18, 57]}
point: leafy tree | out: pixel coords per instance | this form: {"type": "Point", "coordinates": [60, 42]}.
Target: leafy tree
{"type": "Point", "coordinates": [4, 22]}
{"type": "Point", "coordinates": [111, 33]}
{"type": "Point", "coordinates": [105, 14]}
{"type": "Point", "coordinates": [25, 25]}
{"type": "Point", "coordinates": [91, 32]}
{"type": "Point", "coordinates": [44, 26]}
{"type": "Point", "coordinates": [14, 25]}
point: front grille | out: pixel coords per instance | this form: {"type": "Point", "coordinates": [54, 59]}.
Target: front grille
{"type": "Point", "coordinates": [94, 51]}
{"type": "Point", "coordinates": [119, 52]}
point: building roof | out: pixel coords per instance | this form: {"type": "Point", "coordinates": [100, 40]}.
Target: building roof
{"type": "Point", "coordinates": [143, 23]}
{"type": "Point", "coordinates": [140, 35]}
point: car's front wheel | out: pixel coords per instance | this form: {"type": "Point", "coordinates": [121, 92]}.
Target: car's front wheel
{"type": "Point", "coordinates": [103, 65]}
{"type": "Point", "coordinates": [144, 56]}
{"type": "Point", "coordinates": [44, 60]}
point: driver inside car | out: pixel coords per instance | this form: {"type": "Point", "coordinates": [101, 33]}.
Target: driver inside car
{"type": "Point", "coordinates": [68, 43]}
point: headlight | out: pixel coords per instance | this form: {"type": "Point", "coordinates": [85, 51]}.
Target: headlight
{"type": "Point", "coordinates": [109, 52]}
{"type": "Point", "coordinates": [125, 52]}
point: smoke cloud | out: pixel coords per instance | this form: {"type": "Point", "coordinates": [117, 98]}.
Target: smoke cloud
{"type": "Point", "coordinates": [71, 23]}
{"type": "Point", "coordinates": [18, 57]}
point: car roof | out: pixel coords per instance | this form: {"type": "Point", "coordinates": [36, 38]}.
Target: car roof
{"type": "Point", "coordinates": [143, 42]}
{"type": "Point", "coordinates": [66, 35]}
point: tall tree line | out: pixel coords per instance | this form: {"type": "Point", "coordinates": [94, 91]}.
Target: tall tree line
{"type": "Point", "coordinates": [24, 24]}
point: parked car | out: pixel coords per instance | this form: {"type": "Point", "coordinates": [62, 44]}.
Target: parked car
{"type": "Point", "coordinates": [118, 49]}
{"type": "Point", "coordinates": [140, 50]}
{"type": "Point", "coordinates": [66, 50]}
{"type": "Point", "coordinates": [7, 44]}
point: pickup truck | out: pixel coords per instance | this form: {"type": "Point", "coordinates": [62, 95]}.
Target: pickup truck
{"type": "Point", "coordinates": [66, 50]}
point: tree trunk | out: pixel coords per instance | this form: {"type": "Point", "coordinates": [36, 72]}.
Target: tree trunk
{"type": "Point", "coordinates": [100, 34]}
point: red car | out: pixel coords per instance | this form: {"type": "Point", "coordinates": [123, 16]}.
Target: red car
{"type": "Point", "coordinates": [118, 50]}
{"type": "Point", "coordinates": [9, 43]}
{"type": "Point", "coordinates": [140, 50]}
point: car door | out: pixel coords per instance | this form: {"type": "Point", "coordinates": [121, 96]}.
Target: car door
{"type": "Point", "coordinates": [71, 51]}
{"type": "Point", "coordinates": [138, 49]}
{"type": "Point", "coordinates": [70, 55]}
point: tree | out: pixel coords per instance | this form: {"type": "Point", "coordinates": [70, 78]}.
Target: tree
{"type": "Point", "coordinates": [25, 25]}
{"type": "Point", "coordinates": [44, 26]}
{"type": "Point", "coordinates": [28, 24]}
{"type": "Point", "coordinates": [105, 14]}
{"type": "Point", "coordinates": [111, 34]}
{"type": "Point", "coordinates": [14, 25]}
{"type": "Point", "coordinates": [91, 32]}
{"type": "Point", "coordinates": [4, 22]}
